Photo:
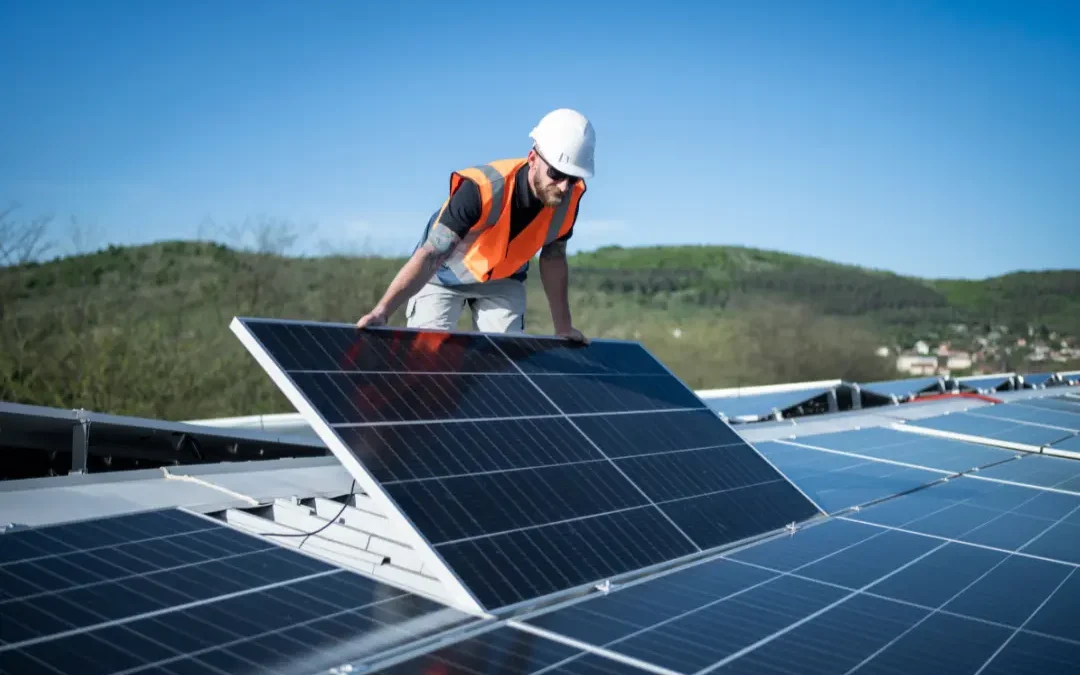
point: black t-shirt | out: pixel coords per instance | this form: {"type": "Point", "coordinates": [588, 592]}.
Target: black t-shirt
{"type": "Point", "coordinates": [463, 211]}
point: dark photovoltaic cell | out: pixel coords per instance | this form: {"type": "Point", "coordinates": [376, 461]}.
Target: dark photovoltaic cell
{"type": "Point", "coordinates": [990, 428]}
{"type": "Point", "coordinates": [529, 465]}
{"type": "Point", "coordinates": [1021, 412]}
{"type": "Point", "coordinates": [172, 590]}
{"type": "Point", "coordinates": [837, 482]}
{"type": "Point", "coordinates": [835, 597]}
{"type": "Point", "coordinates": [941, 454]}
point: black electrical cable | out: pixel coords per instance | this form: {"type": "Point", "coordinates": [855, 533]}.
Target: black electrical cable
{"type": "Point", "coordinates": [305, 535]}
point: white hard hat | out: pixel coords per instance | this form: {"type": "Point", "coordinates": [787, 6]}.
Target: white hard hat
{"type": "Point", "coordinates": [567, 141]}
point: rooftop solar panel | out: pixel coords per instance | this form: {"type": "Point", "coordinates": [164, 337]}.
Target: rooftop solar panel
{"type": "Point", "coordinates": [837, 482]}
{"type": "Point", "coordinates": [908, 449]}
{"type": "Point", "coordinates": [183, 593]}
{"type": "Point", "coordinates": [990, 383]}
{"type": "Point", "coordinates": [1022, 412]}
{"type": "Point", "coordinates": [1055, 403]}
{"type": "Point", "coordinates": [833, 598]}
{"type": "Point", "coordinates": [763, 405]}
{"type": "Point", "coordinates": [903, 388]}
{"type": "Point", "coordinates": [1038, 471]}
{"type": "Point", "coordinates": [525, 466]}
{"type": "Point", "coordinates": [1012, 518]}
{"type": "Point", "coordinates": [1010, 431]}
{"type": "Point", "coordinates": [1036, 379]}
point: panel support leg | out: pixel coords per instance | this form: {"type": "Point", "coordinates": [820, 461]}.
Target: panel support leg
{"type": "Point", "coordinates": [80, 442]}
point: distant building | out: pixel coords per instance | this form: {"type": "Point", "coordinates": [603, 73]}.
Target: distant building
{"type": "Point", "coordinates": [917, 364]}
{"type": "Point", "coordinates": [922, 348]}
{"type": "Point", "coordinates": [959, 361]}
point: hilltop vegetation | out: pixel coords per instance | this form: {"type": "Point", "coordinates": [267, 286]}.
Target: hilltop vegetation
{"type": "Point", "coordinates": [144, 330]}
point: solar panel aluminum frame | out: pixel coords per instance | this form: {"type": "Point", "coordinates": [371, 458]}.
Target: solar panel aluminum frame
{"type": "Point", "coordinates": [457, 592]}
{"type": "Point", "coordinates": [1057, 452]}
{"type": "Point", "coordinates": [981, 440]}
{"type": "Point", "coordinates": [91, 434]}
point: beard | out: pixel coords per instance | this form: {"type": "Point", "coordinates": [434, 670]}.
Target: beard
{"type": "Point", "coordinates": [550, 196]}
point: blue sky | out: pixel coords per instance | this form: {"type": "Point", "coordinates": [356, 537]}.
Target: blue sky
{"type": "Point", "coordinates": [929, 138]}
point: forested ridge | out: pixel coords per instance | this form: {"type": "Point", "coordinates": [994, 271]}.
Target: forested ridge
{"type": "Point", "coordinates": [143, 330]}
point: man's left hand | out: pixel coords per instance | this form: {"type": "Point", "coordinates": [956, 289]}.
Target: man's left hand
{"type": "Point", "coordinates": [574, 335]}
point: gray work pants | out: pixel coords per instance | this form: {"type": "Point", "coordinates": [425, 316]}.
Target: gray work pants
{"type": "Point", "coordinates": [497, 306]}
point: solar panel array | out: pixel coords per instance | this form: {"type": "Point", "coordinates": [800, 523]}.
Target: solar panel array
{"type": "Point", "coordinates": [529, 467]}
{"type": "Point", "coordinates": [844, 596]}
{"type": "Point", "coordinates": [170, 591]}
{"type": "Point", "coordinates": [526, 466]}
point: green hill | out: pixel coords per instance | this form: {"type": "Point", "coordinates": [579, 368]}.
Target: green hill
{"type": "Point", "coordinates": [144, 330]}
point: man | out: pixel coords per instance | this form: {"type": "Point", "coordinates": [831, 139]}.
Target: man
{"type": "Point", "coordinates": [476, 248]}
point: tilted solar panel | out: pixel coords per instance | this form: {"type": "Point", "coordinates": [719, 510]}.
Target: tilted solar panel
{"type": "Point", "coordinates": [903, 389]}
{"type": "Point", "coordinates": [763, 405]}
{"type": "Point", "coordinates": [1036, 379]}
{"type": "Point", "coordinates": [171, 591]}
{"type": "Point", "coordinates": [525, 466]}
{"type": "Point", "coordinates": [989, 384]}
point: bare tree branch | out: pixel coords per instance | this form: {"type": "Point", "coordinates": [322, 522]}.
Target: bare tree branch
{"type": "Point", "coordinates": [22, 241]}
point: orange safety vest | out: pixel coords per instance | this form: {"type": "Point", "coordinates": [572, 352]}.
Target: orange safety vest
{"type": "Point", "coordinates": [487, 252]}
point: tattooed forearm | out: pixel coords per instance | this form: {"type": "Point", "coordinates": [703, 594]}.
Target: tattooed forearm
{"type": "Point", "coordinates": [416, 272]}
{"type": "Point", "coordinates": [442, 240]}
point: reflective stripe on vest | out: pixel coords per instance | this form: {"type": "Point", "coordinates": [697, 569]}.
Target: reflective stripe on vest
{"type": "Point", "coordinates": [487, 251]}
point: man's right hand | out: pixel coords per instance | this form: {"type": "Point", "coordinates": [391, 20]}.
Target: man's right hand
{"type": "Point", "coordinates": [373, 318]}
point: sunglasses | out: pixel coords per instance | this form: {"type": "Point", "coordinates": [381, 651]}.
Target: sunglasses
{"type": "Point", "coordinates": [556, 175]}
